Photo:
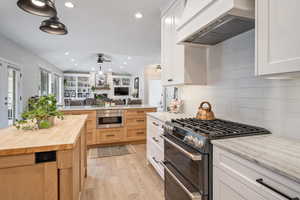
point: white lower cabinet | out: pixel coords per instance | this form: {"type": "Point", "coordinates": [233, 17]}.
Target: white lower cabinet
{"type": "Point", "coordinates": [235, 178]}
{"type": "Point", "coordinates": [155, 144]}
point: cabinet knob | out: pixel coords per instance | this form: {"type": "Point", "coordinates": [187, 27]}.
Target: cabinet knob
{"type": "Point", "coordinates": [170, 80]}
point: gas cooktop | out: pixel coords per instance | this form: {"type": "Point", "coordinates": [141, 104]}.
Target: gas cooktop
{"type": "Point", "coordinates": [218, 128]}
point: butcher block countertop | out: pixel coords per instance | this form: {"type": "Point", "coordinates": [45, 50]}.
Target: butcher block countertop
{"type": "Point", "coordinates": [62, 136]}
{"type": "Point", "coordinates": [278, 154]}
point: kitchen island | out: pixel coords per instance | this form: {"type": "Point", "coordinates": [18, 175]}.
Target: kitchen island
{"type": "Point", "coordinates": [48, 164]}
{"type": "Point", "coordinates": [113, 125]}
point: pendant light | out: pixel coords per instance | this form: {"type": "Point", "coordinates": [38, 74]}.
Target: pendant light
{"type": "Point", "coordinates": [45, 8]}
{"type": "Point", "coordinates": [54, 26]}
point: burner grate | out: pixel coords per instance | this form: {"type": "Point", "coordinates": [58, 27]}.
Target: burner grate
{"type": "Point", "coordinates": [219, 128]}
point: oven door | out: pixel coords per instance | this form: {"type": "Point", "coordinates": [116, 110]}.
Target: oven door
{"type": "Point", "coordinates": [109, 121]}
{"type": "Point", "coordinates": [189, 163]}
{"type": "Point", "coordinates": [177, 187]}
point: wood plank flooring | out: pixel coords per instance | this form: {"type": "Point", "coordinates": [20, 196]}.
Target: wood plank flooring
{"type": "Point", "coordinates": [126, 177]}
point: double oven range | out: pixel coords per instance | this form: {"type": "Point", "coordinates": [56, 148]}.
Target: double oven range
{"type": "Point", "coordinates": [188, 155]}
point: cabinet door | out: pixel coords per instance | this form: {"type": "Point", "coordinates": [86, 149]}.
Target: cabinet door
{"type": "Point", "coordinates": [226, 187]}
{"type": "Point", "coordinates": [32, 182]}
{"type": "Point", "coordinates": [178, 49]}
{"type": "Point", "coordinates": [277, 44]}
{"type": "Point", "coordinates": [167, 48]}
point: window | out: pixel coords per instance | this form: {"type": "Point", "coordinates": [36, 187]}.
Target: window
{"type": "Point", "coordinates": [45, 82]}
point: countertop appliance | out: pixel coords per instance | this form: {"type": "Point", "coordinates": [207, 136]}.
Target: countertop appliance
{"type": "Point", "coordinates": [218, 21]}
{"type": "Point", "coordinates": [188, 154]}
{"type": "Point", "coordinates": [109, 118]}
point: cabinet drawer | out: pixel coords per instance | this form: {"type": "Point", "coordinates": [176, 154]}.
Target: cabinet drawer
{"type": "Point", "coordinates": [136, 121]}
{"type": "Point", "coordinates": [154, 127]}
{"type": "Point", "coordinates": [138, 112]}
{"type": "Point", "coordinates": [136, 133]}
{"type": "Point", "coordinates": [248, 173]}
{"type": "Point", "coordinates": [155, 157]}
{"type": "Point", "coordinates": [91, 114]}
{"type": "Point", "coordinates": [110, 135]}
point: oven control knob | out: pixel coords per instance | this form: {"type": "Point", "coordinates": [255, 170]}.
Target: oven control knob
{"type": "Point", "coordinates": [188, 139]}
{"type": "Point", "coordinates": [199, 143]}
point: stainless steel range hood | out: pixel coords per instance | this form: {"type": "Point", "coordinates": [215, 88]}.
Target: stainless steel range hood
{"type": "Point", "coordinates": [236, 17]}
{"type": "Point", "coordinates": [221, 30]}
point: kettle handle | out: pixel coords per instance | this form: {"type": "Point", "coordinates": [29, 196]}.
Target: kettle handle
{"type": "Point", "coordinates": [206, 102]}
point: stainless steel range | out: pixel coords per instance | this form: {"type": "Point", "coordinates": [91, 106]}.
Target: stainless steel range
{"type": "Point", "coordinates": [188, 154]}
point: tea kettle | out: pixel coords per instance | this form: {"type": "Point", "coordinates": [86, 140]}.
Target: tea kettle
{"type": "Point", "coordinates": [205, 113]}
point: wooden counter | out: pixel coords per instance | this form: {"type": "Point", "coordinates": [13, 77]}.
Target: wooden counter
{"type": "Point", "coordinates": [45, 164]}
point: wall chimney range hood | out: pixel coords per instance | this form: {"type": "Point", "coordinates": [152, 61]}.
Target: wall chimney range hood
{"type": "Point", "coordinates": [215, 21]}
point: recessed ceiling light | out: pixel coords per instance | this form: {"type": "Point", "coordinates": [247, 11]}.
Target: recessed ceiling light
{"type": "Point", "coordinates": [125, 63]}
{"type": "Point", "coordinates": [129, 58]}
{"type": "Point", "coordinates": [69, 4]}
{"type": "Point", "coordinates": [67, 53]}
{"type": "Point", "coordinates": [93, 69]}
{"type": "Point", "coordinates": [76, 64]}
{"type": "Point", "coordinates": [110, 69]}
{"type": "Point", "coordinates": [121, 67]}
{"type": "Point", "coordinates": [138, 15]}
{"type": "Point", "coordinates": [72, 59]}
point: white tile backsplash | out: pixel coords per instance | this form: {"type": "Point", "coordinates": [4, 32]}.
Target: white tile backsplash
{"type": "Point", "coordinates": [237, 94]}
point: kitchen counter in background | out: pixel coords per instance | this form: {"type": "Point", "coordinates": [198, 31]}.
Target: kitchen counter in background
{"type": "Point", "coordinates": [122, 107]}
{"type": "Point", "coordinates": [280, 155]}
{"type": "Point", "coordinates": [166, 116]}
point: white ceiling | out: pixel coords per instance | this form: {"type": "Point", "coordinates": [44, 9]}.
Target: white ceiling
{"type": "Point", "coordinates": [95, 26]}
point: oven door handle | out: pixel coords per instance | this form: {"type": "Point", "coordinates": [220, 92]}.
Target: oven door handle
{"type": "Point", "coordinates": [192, 156]}
{"type": "Point", "coordinates": [193, 196]}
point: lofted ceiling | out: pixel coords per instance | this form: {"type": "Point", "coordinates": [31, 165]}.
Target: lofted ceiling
{"type": "Point", "coordinates": [95, 26]}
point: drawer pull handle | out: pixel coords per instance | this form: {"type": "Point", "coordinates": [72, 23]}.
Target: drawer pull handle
{"type": "Point", "coordinates": [140, 133]}
{"type": "Point", "coordinates": [261, 181]}
{"type": "Point", "coordinates": [155, 140]}
{"type": "Point", "coordinates": [110, 135]}
{"type": "Point", "coordinates": [155, 124]}
{"type": "Point", "coordinates": [192, 195]}
{"type": "Point", "coordinates": [157, 162]}
{"type": "Point", "coordinates": [141, 120]}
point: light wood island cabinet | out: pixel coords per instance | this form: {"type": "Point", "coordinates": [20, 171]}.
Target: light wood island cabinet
{"type": "Point", "coordinates": [45, 164]}
{"type": "Point", "coordinates": [133, 131]}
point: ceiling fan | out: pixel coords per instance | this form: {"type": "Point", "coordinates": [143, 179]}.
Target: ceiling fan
{"type": "Point", "coordinates": [102, 58]}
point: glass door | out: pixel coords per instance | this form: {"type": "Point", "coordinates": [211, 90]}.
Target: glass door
{"type": "Point", "coordinates": [13, 94]}
{"type": "Point", "coordinates": [3, 95]}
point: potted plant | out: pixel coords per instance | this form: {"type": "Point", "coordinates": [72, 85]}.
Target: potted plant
{"type": "Point", "coordinates": [41, 113]}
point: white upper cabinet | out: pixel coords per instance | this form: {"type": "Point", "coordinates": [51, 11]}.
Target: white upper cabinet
{"type": "Point", "coordinates": [277, 37]}
{"type": "Point", "coordinates": [180, 64]}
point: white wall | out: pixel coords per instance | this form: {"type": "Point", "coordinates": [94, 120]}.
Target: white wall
{"type": "Point", "coordinates": [236, 94]}
{"type": "Point", "coordinates": [29, 63]}
{"type": "Point", "coordinates": [150, 73]}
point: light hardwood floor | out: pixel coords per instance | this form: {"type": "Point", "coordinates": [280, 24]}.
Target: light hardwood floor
{"type": "Point", "coordinates": [126, 177]}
